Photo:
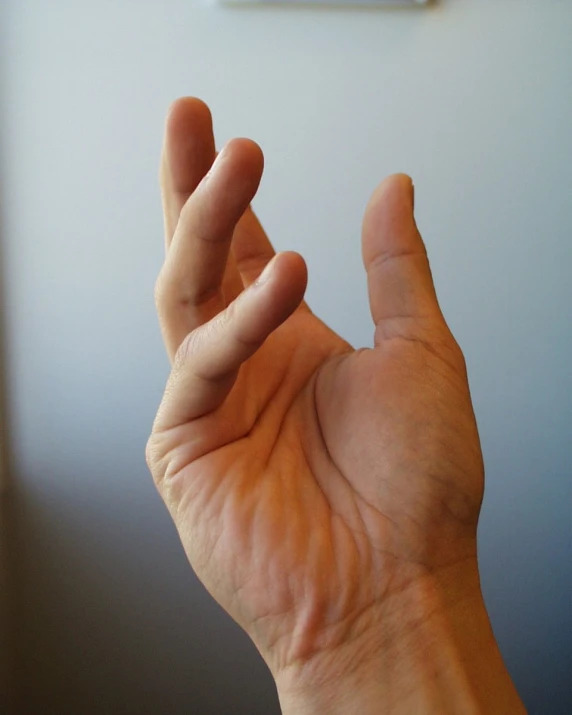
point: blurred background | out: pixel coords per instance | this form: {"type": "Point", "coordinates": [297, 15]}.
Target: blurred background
{"type": "Point", "coordinates": [473, 98]}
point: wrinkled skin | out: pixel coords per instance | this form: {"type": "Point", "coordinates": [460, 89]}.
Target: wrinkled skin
{"type": "Point", "coordinates": [311, 483]}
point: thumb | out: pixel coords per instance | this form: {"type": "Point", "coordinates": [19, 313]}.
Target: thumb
{"type": "Point", "coordinates": [401, 292]}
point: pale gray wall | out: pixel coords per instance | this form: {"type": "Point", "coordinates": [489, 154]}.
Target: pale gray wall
{"type": "Point", "coordinates": [474, 99]}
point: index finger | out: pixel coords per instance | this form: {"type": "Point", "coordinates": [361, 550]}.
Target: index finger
{"type": "Point", "coordinates": [188, 154]}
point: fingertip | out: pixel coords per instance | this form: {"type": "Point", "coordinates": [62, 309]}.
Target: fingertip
{"type": "Point", "coordinates": [239, 167]}
{"type": "Point", "coordinates": [293, 265]}
{"type": "Point", "coordinates": [389, 220]}
{"type": "Point", "coordinates": [288, 266]}
{"type": "Point", "coordinates": [186, 110]}
{"type": "Point", "coordinates": [246, 153]}
{"type": "Point", "coordinates": [293, 270]}
{"type": "Point", "coordinates": [394, 188]}
{"type": "Point", "coordinates": [301, 273]}
{"type": "Point", "coordinates": [188, 146]}
{"type": "Point", "coordinates": [283, 283]}
{"type": "Point", "coordinates": [292, 280]}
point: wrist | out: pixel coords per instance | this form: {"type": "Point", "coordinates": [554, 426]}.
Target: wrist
{"type": "Point", "coordinates": [432, 650]}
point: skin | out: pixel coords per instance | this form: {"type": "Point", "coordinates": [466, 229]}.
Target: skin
{"type": "Point", "coordinates": [327, 497]}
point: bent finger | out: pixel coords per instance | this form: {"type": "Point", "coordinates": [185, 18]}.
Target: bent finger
{"type": "Point", "coordinates": [190, 289]}
{"type": "Point", "coordinates": [208, 361]}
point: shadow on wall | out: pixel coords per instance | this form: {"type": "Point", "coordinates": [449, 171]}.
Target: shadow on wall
{"type": "Point", "coordinates": [112, 622]}
{"type": "Point", "coordinates": [7, 670]}
{"type": "Point", "coordinates": [6, 509]}
{"type": "Point", "coordinates": [6, 590]}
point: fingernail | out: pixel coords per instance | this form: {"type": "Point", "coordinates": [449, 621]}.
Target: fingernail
{"type": "Point", "coordinates": [413, 195]}
{"type": "Point", "coordinates": [219, 157]}
{"type": "Point", "coordinates": [266, 273]}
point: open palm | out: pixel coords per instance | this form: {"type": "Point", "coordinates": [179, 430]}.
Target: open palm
{"type": "Point", "coordinates": [311, 483]}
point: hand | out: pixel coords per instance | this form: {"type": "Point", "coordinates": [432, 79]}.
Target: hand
{"type": "Point", "coordinates": [327, 497]}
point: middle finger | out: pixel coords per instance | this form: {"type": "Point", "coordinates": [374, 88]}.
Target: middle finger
{"type": "Point", "coordinates": [190, 288]}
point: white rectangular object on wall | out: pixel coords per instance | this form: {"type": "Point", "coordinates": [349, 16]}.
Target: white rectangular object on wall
{"type": "Point", "coordinates": [394, 3]}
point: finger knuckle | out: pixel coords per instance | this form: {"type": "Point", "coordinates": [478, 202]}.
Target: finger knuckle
{"type": "Point", "coordinates": [160, 290]}
{"type": "Point", "coordinates": [186, 350]}
{"type": "Point", "coordinates": [192, 346]}
{"type": "Point", "coordinates": [152, 458]}
{"type": "Point", "coordinates": [159, 456]}
{"type": "Point", "coordinates": [455, 352]}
